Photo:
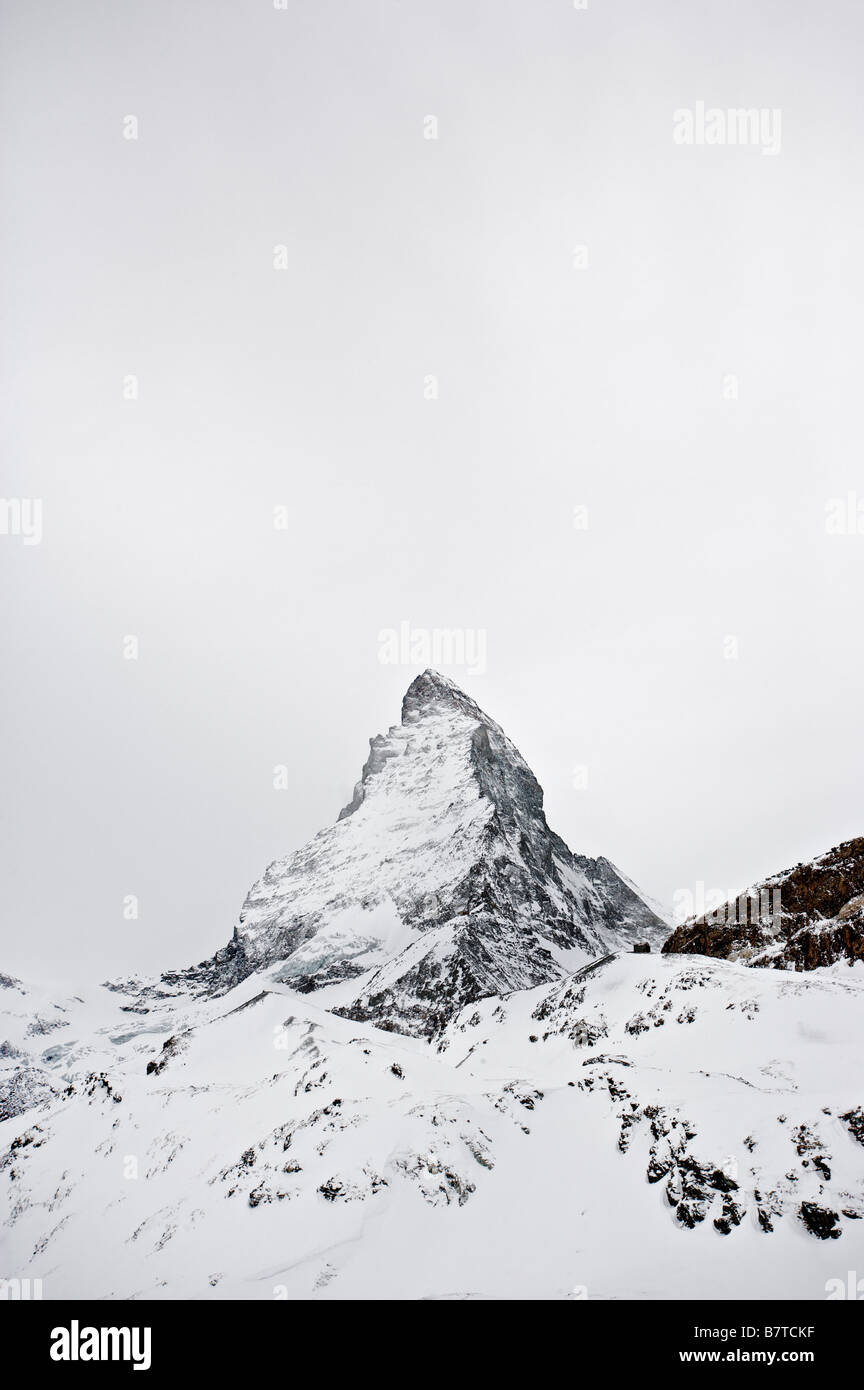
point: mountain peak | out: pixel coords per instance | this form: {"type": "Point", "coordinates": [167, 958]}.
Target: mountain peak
{"type": "Point", "coordinates": [431, 688]}
{"type": "Point", "coordinates": [440, 883]}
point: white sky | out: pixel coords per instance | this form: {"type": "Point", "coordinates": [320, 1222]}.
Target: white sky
{"type": "Point", "coordinates": [558, 387]}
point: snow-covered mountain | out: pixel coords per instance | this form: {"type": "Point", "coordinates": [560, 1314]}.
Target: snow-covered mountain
{"type": "Point", "coordinates": [430, 1065]}
{"type": "Point", "coordinates": [440, 883]}
{"type": "Point", "coordinates": [805, 917]}
{"type": "Point", "coordinates": [659, 1127]}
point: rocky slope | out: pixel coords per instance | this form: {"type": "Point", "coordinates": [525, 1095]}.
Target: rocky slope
{"type": "Point", "coordinates": [440, 883]}
{"type": "Point", "coordinates": [809, 916]}
{"type": "Point", "coordinates": [25, 1079]}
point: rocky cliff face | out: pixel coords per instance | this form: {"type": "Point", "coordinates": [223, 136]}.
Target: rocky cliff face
{"type": "Point", "coordinates": [440, 883]}
{"type": "Point", "coordinates": [808, 916]}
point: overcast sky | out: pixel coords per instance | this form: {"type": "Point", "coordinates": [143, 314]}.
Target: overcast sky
{"type": "Point", "coordinates": [282, 260]}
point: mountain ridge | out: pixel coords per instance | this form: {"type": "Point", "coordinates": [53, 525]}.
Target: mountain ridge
{"type": "Point", "coordinates": [800, 918]}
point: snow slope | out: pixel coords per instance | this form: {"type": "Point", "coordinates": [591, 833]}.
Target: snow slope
{"type": "Point", "coordinates": [661, 1127]}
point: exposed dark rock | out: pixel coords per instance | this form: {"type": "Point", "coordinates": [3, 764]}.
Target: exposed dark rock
{"type": "Point", "coordinates": [731, 1216]}
{"type": "Point", "coordinates": [819, 1220]}
{"type": "Point", "coordinates": [170, 1048]}
{"type": "Point", "coordinates": [23, 1088]}
{"type": "Point", "coordinates": [809, 916]}
{"type": "Point", "coordinates": [855, 1123]}
{"type": "Point", "coordinates": [99, 1082]}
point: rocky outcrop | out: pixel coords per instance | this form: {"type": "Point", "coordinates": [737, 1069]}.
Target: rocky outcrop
{"type": "Point", "coordinates": [22, 1088]}
{"type": "Point", "coordinates": [809, 916]}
